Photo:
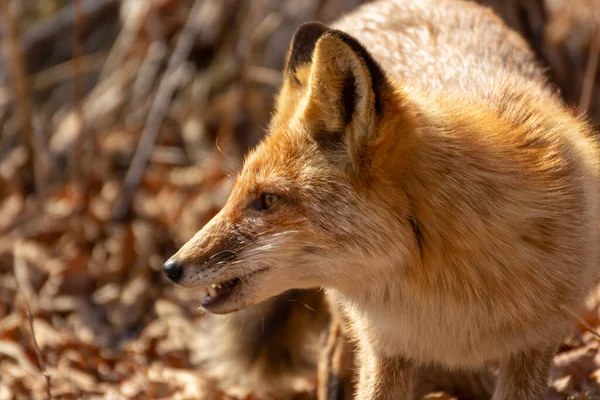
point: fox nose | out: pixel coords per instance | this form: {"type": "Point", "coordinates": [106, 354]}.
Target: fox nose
{"type": "Point", "coordinates": [173, 270]}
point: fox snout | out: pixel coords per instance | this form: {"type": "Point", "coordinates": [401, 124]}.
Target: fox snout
{"type": "Point", "coordinates": [207, 252]}
{"type": "Point", "coordinates": [174, 267]}
{"type": "Point", "coordinates": [173, 270]}
{"type": "Point", "coordinates": [210, 264]}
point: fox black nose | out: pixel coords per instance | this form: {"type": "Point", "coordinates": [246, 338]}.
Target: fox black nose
{"type": "Point", "coordinates": [173, 270]}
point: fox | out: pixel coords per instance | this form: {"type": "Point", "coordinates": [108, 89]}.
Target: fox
{"type": "Point", "coordinates": [419, 168]}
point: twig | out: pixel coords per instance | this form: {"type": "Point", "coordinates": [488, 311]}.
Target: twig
{"type": "Point", "coordinates": [42, 161]}
{"type": "Point", "coordinates": [158, 111]}
{"type": "Point", "coordinates": [168, 155]}
{"type": "Point", "coordinates": [582, 322]}
{"type": "Point", "coordinates": [63, 21]}
{"type": "Point", "coordinates": [14, 57]}
{"type": "Point", "coordinates": [38, 353]}
{"type": "Point", "coordinates": [126, 39]}
{"type": "Point", "coordinates": [82, 139]}
{"type": "Point", "coordinates": [263, 75]}
{"type": "Point", "coordinates": [61, 72]}
{"type": "Point", "coordinates": [266, 27]}
{"type": "Point", "coordinates": [148, 71]}
{"type": "Point", "coordinates": [590, 72]}
{"type": "Point", "coordinates": [19, 275]}
{"type": "Point", "coordinates": [56, 74]}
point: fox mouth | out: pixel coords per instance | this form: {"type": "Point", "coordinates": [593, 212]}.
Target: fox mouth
{"type": "Point", "coordinates": [218, 292]}
{"type": "Point", "coordinates": [215, 295]}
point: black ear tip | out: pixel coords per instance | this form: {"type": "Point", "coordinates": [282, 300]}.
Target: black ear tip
{"type": "Point", "coordinates": [312, 27]}
{"type": "Point", "coordinates": [303, 43]}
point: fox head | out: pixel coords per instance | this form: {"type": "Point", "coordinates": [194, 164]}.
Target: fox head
{"type": "Point", "coordinates": [316, 203]}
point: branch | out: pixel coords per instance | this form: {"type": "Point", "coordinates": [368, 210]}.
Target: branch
{"type": "Point", "coordinates": [24, 289]}
{"type": "Point", "coordinates": [14, 57]}
{"type": "Point", "coordinates": [590, 71]}
{"type": "Point", "coordinates": [83, 140]}
{"type": "Point", "coordinates": [168, 84]}
{"type": "Point", "coordinates": [38, 353]}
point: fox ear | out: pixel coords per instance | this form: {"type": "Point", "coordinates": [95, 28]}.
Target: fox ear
{"type": "Point", "coordinates": [301, 50]}
{"type": "Point", "coordinates": [344, 100]}
{"type": "Point", "coordinates": [297, 68]}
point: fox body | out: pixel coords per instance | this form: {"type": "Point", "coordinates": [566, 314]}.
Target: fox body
{"type": "Point", "coordinates": [418, 167]}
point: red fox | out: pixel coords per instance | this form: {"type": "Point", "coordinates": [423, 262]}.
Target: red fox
{"type": "Point", "coordinates": [421, 170]}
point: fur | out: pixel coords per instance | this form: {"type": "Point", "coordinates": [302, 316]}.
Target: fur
{"type": "Point", "coordinates": [269, 350]}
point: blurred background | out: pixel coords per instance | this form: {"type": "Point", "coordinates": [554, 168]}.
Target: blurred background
{"type": "Point", "coordinates": [121, 125]}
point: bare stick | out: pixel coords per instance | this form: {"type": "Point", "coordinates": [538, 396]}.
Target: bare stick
{"type": "Point", "coordinates": [82, 145]}
{"type": "Point", "coordinates": [14, 57]}
{"type": "Point", "coordinates": [77, 70]}
{"type": "Point", "coordinates": [263, 75]}
{"type": "Point", "coordinates": [126, 39]}
{"type": "Point", "coordinates": [62, 22]}
{"type": "Point", "coordinates": [590, 72]}
{"type": "Point", "coordinates": [42, 162]}
{"type": "Point", "coordinates": [158, 111]}
{"type": "Point", "coordinates": [19, 275]}
{"type": "Point", "coordinates": [38, 353]}
{"type": "Point", "coordinates": [61, 72]}
{"type": "Point", "coordinates": [582, 322]}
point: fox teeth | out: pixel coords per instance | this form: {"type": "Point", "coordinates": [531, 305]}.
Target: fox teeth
{"type": "Point", "coordinates": [203, 291]}
{"type": "Point", "coordinates": [216, 286]}
{"type": "Point", "coordinates": [212, 290]}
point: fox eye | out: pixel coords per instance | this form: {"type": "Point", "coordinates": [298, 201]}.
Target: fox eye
{"type": "Point", "coordinates": [265, 201]}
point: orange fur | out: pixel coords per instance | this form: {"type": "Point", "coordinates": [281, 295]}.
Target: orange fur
{"type": "Point", "coordinates": [434, 184]}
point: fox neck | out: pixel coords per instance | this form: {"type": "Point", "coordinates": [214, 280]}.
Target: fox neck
{"type": "Point", "coordinates": [375, 280]}
{"type": "Point", "coordinates": [385, 284]}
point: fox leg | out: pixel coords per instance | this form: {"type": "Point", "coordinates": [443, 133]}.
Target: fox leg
{"type": "Point", "coordinates": [384, 378]}
{"type": "Point", "coordinates": [524, 375]}
{"type": "Point", "coordinates": [335, 381]}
